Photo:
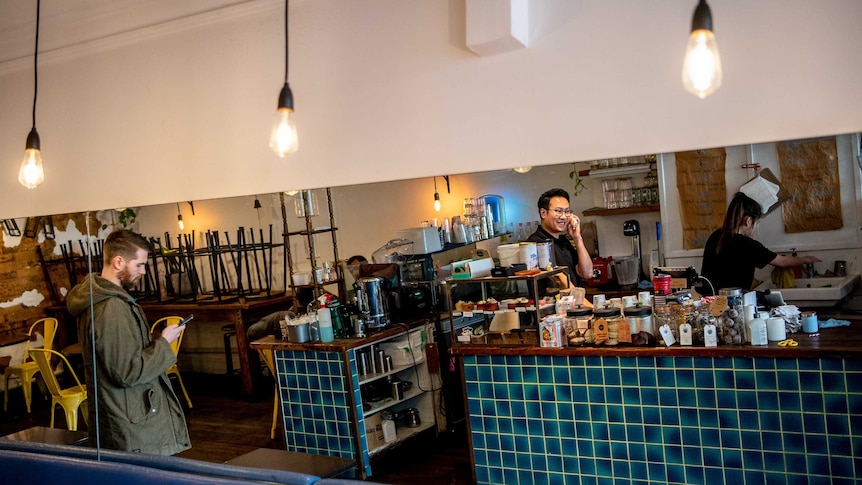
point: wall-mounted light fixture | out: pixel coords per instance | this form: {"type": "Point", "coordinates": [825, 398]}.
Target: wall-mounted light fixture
{"type": "Point", "coordinates": [32, 174]}
{"type": "Point", "coordinates": [436, 196]}
{"type": "Point", "coordinates": [283, 140]}
{"type": "Point", "coordinates": [701, 68]}
{"type": "Point", "coordinates": [523, 169]}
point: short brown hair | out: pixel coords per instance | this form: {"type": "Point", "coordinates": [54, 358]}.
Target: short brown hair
{"type": "Point", "coordinates": [125, 243]}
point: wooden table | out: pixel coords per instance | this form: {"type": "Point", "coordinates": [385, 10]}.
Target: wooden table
{"type": "Point", "coordinates": [319, 465]}
{"type": "Point", "coordinates": [242, 313]}
{"type": "Point", "coordinates": [51, 436]}
{"type": "Point", "coordinates": [11, 339]}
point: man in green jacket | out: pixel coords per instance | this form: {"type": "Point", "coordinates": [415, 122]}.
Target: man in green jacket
{"type": "Point", "coordinates": [137, 407]}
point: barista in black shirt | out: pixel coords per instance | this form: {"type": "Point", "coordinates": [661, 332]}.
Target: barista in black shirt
{"type": "Point", "coordinates": [558, 222]}
{"type": "Point", "coordinates": [731, 254]}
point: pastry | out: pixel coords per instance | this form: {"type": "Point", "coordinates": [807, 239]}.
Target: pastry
{"type": "Point", "coordinates": [491, 305]}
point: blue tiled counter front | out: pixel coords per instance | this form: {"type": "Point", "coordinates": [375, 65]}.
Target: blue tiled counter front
{"type": "Point", "coordinates": [654, 419]}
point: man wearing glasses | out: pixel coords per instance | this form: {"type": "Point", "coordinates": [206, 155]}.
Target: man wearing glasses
{"type": "Point", "coordinates": [557, 221]}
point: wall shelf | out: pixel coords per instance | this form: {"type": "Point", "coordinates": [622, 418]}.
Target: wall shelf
{"type": "Point", "coordinates": [599, 211]}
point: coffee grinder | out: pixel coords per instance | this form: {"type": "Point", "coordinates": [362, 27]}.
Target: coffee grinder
{"type": "Point", "coordinates": [633, 229]}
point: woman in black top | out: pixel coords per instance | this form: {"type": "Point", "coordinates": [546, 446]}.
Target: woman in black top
{"type": "Point", "coordinates": [731, 254]}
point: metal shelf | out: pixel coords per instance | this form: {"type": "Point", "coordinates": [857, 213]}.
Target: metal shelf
{"type": "Point", "coordinates": [599, 211]}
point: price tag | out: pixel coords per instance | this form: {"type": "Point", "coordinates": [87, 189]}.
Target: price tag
{"type": "Point", "coordinates": [709, 337]}
{"type": "Point", "coordinates": [717, 306]}
{"type": "Point", "coordinates": [625, 332]}
{"type": "Point", "coordinates": [600, 330]}
{"type": "Point", "coordinates": [456, 314]}
{"type": "Point", "coordinates": [667, 335]}
{"type": "Point", "coordinates": [497, 312]}
{"type": "Point", "coordinates": [468, 314]}
{"type": "Point", "coordinates": [685, 334]}
{"type": "Point", "coordinates": [521, 309]}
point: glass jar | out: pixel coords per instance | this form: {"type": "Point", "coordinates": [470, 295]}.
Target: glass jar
{"type": "Point", "coordinates": [641, 325]}
{"type": "Point", "coordinates": [731, 327]}
{"type": "Point", "coordinates": [605, 325]}
{"type": "Point", "coordinates": [664, 315]}
{"type": "Point", "coordinates": [701, 318]}
{"type": "Point", "coordinates": [578, 327]}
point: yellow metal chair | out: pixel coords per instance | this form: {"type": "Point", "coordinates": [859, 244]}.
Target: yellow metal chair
{"type": "Point", "coordinates": [175, 346]}
{"type": "Point", "coordinates": [266, 355]}
{"type": "Point", "coordinates": [70, 398]}
{"type": "Point", "coordinates": [27, 369]}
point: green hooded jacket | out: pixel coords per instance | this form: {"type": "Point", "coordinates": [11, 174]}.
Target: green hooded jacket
{"type": "Point", "coordinates": [138, 409]}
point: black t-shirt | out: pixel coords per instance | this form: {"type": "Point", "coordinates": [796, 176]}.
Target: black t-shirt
{"type": "Point", "coordinates": [734, 265]}
{"type": "Point", "coordinates": [564, 253]}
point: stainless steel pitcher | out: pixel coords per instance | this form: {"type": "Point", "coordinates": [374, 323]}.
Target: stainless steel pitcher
{"type": "Point", "coordinates": [372, 300]}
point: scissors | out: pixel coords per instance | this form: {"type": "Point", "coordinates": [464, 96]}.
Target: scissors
{"type": "Point", "coordinates": [788, 343]}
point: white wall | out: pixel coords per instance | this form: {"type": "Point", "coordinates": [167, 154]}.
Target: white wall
{"type": "Point", "coordinates": [385, 90]}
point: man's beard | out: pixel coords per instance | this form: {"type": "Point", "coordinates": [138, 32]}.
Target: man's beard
{"type": "Point", "coordinates": [126, 279]}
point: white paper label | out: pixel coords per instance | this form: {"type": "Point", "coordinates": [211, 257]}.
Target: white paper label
{"type": "Point", "coordinates": [667, 335]}
{"type": "Point", "coordinates": [685, 334]}
{"type": "Point", "coordinates": [709, 337]}
{"type": "Point", "coordinates": [521, 309]}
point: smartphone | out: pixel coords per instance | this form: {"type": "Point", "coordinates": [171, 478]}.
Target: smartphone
{"type": "Point", "coordinates": [186, 320]}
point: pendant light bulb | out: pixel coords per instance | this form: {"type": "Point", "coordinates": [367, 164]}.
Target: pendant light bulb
{"type": "Point", "coordinates": [701, 67]}
{"type": "Point", "coordinates": [523, 169]}
{"type": "Point", "coordinates": [32, 174]}
{"type": "Point", "coordinates": [180, 222]}
{"type": "Point", "coordinates": [283, 140]}
{"type": "Point", "coordinates": [436, 201]}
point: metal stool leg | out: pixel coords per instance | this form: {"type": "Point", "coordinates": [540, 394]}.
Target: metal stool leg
{"type": "Point", "coordinates": [229, 331]}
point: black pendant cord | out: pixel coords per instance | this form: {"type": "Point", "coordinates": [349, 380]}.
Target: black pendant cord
{"type": "Point", "coordinates": [286, 40]}
{"type": "Point", "coordinates": [36, 64]}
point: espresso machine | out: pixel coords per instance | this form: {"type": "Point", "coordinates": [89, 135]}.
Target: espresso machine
{"type": "Point", "coordinates": [373, 303]}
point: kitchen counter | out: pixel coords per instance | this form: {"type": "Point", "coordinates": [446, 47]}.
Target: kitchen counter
{"type": "Point", "coordinates": [840, 342]}
{"type": "Point", "coordinates": [729, 414]}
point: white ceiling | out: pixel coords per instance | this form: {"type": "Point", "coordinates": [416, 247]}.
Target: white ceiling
{"type": "Point", "coordinates": [65, 23]}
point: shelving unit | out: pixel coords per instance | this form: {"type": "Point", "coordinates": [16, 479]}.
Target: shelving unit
{"type": "Point", "coordinates": [532, 287]}
{"type": "Point", "coordinates": [309, 233]}
{"type": "Point", "coordinates": [613, 172]}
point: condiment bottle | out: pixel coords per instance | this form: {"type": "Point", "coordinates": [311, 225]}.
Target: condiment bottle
{"type": "Point", "coordinates": [324, 319]}
{"type": "Point", "coordinates": [757, 328]}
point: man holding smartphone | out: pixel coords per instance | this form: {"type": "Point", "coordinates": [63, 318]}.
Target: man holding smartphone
{"type": "Point", "coordinates": [558, 221]}
{"type": "Point", "coordinates": [138, 409]}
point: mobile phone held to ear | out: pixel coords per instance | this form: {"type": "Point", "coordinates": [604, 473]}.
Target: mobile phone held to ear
{"type": "Point", "coordinates": [186, 320]}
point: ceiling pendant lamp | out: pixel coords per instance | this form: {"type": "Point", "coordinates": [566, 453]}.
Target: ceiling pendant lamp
{"type": "Point", "coordinates": [701, 68]}
{"type": "Point", "coordinates": [180, 218]}
{"type": "Point", "coordinates": [283, 139]}
{"type": "Point", "coordinates": [523, 169]}
{"type": "Point", "coordinates": [436, 196]}
{"type": "Point", "coordinates": [32, 174]}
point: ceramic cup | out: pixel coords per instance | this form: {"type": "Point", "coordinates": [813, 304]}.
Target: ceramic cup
{"type": "Point", "coordinates": [809, 322]}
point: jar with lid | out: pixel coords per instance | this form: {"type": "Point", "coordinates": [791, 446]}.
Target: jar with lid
{"type": "Point", "coordinates": [665, 315]}
{"type": "Point", "coordinates": [641, 325]}
{"type": "Point", "coordinates": [605, 325]}
{"type": "Point", "coordinates": [701, 318]}
{"type": "Point", "coordinates": [578, 326]}
{"type": "Point", "coordinates": [731, 327]}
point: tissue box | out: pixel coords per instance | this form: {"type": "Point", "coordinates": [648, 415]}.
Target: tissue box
{"type": "Point", "coordinates": [425, 239]}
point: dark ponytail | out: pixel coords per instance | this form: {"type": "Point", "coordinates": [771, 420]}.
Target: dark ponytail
{"type": "Point", "coordinates": [740, 207]}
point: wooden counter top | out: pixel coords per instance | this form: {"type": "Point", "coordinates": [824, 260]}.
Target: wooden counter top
{"type": "Point", "coordinates": [340, 344]}
{"type": "Point", "coordinates": [839, 342]}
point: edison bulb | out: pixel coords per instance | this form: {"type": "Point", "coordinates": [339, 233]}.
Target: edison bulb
{"type": "Point", "coordinates": [32, 174]}
{"type": "Point", "coordinates": [180, 222]}
{"type": "Point", "coordinates": [701, 68]}
{"type": "Point", "coordinates": [283, 140]}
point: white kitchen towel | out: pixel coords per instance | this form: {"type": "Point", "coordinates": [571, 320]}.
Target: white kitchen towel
{"type": "Point", "coordinates": [762, 191]}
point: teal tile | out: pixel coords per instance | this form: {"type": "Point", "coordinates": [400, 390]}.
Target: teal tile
{"type": "Point", "coordinates": [513, 374]}
{"type": "Point", "coordinates": [746, 399]}
{"type": "Point", "coordinates": [706, 398]}
{"type": "Point", "coordinates": [544, 361]}
{"type": "Point", "coordinates": [831, 365]}
{"type": "Point", "coordinates": [636, 434]}
{"type": "Point", "coordinates": [595, 376]}
{"type": "Point", "coordinates": [602, 449]}
{"type": "Point", "coordinates": [791, 422]}
{"type": "Point", "coordinates": [612, 376]}
{"type": "Point", "coordinates": [531, 392]}
{"type": "Point", "coordinates": [728, 419]}
{"type": "Point", "coordinates": [604, 468]}
{"type": "Point", "coordinates": [818, 464]}
{"type": "Point", "coordinates": [655, 453]}
{"type": "Point", "coordinates": [596, 394]}
{"type": "Point", "coordinates": [766, 380]}
{"type": "Point", "coordinates": [789, 401]}
{"type": "Point", "coordinates": [693, 474]}
{"type": "Point", "coordinates": [726, 399]}
{"type": "Point", "coordinates": [671, 435]}
{"type": "Point", "coordinates": [617, 432]}
{"type": "Point", "coordinates": [834, 382]}
{"type": "Point", "coordinates": [499, 374]}
{"type": "Point", "coordinates": [586, 465]}
{"type": "Point", "coordinates": [788, 364]}
{"type": "Point", "coordinates": [839, 446]}
{"type": "Point", "coordinates": [724, 379]}
{"type": "Point", "coordinates": [732, 458]}
{"type": "Point", "coordinates": [670, 416]}
{"type": "Point", "coordinates": [585, 447]}
{"type": "Point", "coordinates": [693, 455]}
{"type": "Point", "coordinates": [744, 379]}
{"type": "Point", "coordinates": [691, 436]}
{"type": "Point", "coordinates": [639, 471]}
{"type": "Point", "coordinates": [754, 477]}
{"type": "Point", "coordinates": [688, 416]}
{"type": "Point", "coordinates": [657, 472]}
{"type": "Point", "coordinates": [632, 415]}
{"type": "Point", "coordinates": [743, 363]}
{"type": "Point", "coordinates": [549, 411]}
{"type": "Point", "coordinates": [652, 415]}
{"type": "Point", "coordinates": [647, 377]}
{"type": "Point", "coordinates": [666, 377]}
{"type": "Point", "coordinates": [675, 473]}
{"type": "Point", "coordinates": [600, 432]}
{"type": "Point", "coordinates": [667, 397]}
{"type": "Point", "coordinates": [546, 375]}
{"type": "Point", "coordinates": [653, 434]}
{"type": "Point", "coordinates": [615, 413]}
{"type": "Point", "coordinates": [646, 362]}
{"type": "Point", "coordinates": [614, 395]}
{"type": "Point", "coordinates": [841, 466]}
{"type": "Point", "coordinates": [751, 440]}
{"type": "Point", "coordinates": [789, 381]}
{"type": "Point", "coordinates": [598, 412]}
{"type": "Point", "coordinates": [729, 438]}
{"type": "Point", "coordinates": [629, 377]}
{"type": "Point", "coordinates": [578, 375]}
{"type": "Point", "coordinates": [687, 397]}
{"type": "Point", "coordinates": [685, 378]}
{"type": "Point", "coordinates": [767, 401]}
{"type": "Point", "coordinates": [530, 375]}
{"type": "Point", "coordinates": [837, 424]}
{"type": "Point", "coordinates": [714, 476]}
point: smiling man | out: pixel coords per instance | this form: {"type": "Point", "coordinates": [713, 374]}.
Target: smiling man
{"type": "Point", "coordinates": [558, 222]}
{"type": "Point", "coordinates": [138, 409]}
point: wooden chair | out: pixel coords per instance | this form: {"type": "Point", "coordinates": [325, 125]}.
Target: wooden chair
{"type": "Point", "coordinates": [266, 355]}
{"type": "Point", "coordinates": [175, 346]}
{"type": "Point", "coordinates": [70, 399]}
{"type": "Point", "coordinates": [27, 369]}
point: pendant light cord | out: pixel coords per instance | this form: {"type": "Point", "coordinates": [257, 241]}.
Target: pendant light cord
{"type": "Point", "coordinates": [36, 64]}
{"type": "Point", "coordinates": [286, 42]}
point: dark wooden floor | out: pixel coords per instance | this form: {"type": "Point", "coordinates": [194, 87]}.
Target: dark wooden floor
{"type": "Point", "coordinates": [224, 425]}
